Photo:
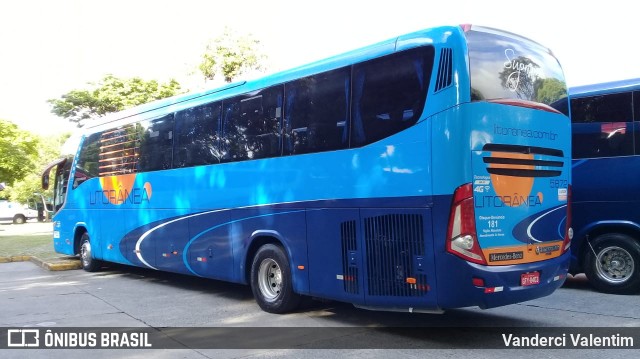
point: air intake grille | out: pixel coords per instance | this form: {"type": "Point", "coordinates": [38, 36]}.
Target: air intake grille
{"type": "Point", "coordinates": [393, 244]}
{"type": "Point", "coordinates": [349, 247]}
{"type": "Point", "coordinates": [518, 161]}
{"type": "Point", "coordinates": [445, 70]}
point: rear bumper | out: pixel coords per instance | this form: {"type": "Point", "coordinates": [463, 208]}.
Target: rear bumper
{"type": "Point", "coordinates": [501, 283]}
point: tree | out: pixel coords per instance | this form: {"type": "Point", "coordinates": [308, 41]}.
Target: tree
{"type": "Point", "coordinates": [111, 94]}
{"type": "Point", "coordinates": [231, 55]}
{"type": "Point", "coordinates": [550, 90]}
{"type": "Point", "coordinates": [18, 151]}
{"type": "Point", "coordinates": [23, 189]}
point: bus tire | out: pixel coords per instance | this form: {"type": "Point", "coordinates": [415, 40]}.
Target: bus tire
{"type": "Point", "coordinates": [89, 263]}
{"type": "Point", "coordinates": [19, 219]}
{"type": "Point", "coordinates": [612, 263]}
{"type": "Point", "coordinates": [271, 281]}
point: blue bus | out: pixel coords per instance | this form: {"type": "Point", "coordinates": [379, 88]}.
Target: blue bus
{"type": "Point", "coordinates": [606, 171]}
{"type": "Point", "coordinates": [421, 173]}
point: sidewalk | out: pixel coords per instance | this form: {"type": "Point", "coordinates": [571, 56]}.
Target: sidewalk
{"type": "Point", "coordinates": [33, 241]}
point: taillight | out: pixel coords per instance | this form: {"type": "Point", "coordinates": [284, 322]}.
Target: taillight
{"type": "Point", "coordinates": [461, 234]}
{"type": "Point", "coordinates": [568, 233]}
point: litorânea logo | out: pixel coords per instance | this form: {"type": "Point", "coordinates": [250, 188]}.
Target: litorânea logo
{"type": "Point", "coordinates": [118, 190]}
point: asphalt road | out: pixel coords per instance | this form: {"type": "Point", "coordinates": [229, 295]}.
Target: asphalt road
{"type": "Point", "coordinates": [122, 296]}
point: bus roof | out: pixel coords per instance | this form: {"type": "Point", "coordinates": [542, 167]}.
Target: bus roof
{"type": "Point", "coordinates": [605, 87]}
{"type": "Point", "coordinates": [403, 42]}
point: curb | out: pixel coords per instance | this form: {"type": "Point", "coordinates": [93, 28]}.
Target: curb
{"type": "Point", "coordinates": [14, 259]}
{"type": "Point", "coordinates": [57, 266]}
{"type": "Point", "coordinates": [70, 264]}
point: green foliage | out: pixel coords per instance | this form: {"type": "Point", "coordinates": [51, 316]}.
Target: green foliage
{"type": "Point", "coordinates": [18, 152]}
{"type": "Point", "coordinates": [23, 189]}
{"type": "Point", "coordinates": [231, 55]}
{"type": "Point", "coordinates": [550, 90]}
{"type": "Point", "coordinates": [111, 94]}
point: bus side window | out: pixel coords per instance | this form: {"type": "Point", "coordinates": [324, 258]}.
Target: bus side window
{"type": "Point", "coordinates": [389, 93]}
{"type": "Point", "coordinates": [156, 144]}
{"type": "Point", "coordinates": [232, 132]}
{"type": "Point", "coordinates": [602, 126]}
{"type": "Point", "coordinates": [636, 124]}
{"type": "Point", "coordinates": [262, 112]}
{"type": "Point", "coordinates": [119, 149]}
{"type": "Point", "coordinates": [88, 161]}
{"type": "Point", "coordinates": [196, 136]}
{"type": "Point", "coordinates": [316, 112]}
{"type": "Point", "coordinates": [251, 125]}
{"type": "Point", "coordinates": [562, 105]}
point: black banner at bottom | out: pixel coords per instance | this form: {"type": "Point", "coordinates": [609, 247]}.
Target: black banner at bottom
{"type": "Point", "coordinates": [320, 338]}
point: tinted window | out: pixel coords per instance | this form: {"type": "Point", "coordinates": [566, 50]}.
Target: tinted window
{"type": "Point", "coordinates": [119, 150]}
{"type": "Point", "coordinates": [504, 65]}
{"type": "Point", "coordinates": [87, 166]}
{"type": "Point", "coordinates": [636, 105]}
{"type": "Point", "coordinates": [316, 112]}
{"type": "Point", "coordinates": [562, 105]}
{"type": "Point", "coordinates": [602, 126]}
{"type": "Point", "coordinates": [251, 125]}
{"type": "Point", "coordinates": [636, 115]}
{"type": "Point", "coordinates": [60, 189]}
{"type": "Point", "coordinates": [156, 144]}
{"type": "Point", "coordinates": [605, 108]}
{"type": "Point", "coordinates": [196, 136]}
{"type": "Point", "coordinates": [389, 94]}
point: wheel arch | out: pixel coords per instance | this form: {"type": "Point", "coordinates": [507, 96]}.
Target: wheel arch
{"type": "Point", "coordinates": [79, 230]}
{"type": "Point", "coordinates": [597, 229]}
{"type": "Point", "coordinates": [258, 239]}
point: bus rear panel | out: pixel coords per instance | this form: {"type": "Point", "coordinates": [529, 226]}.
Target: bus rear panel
{"type": "Point", "coordinates": [509, 225]}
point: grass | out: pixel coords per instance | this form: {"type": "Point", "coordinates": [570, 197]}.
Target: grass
{"type": "Point", "coordinates": [30, 239]}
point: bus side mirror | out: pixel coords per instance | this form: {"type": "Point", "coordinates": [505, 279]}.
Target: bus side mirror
{"type": "Point", "coordinates": [45, 181]}
{"type": "Point", "coordinates": [47, 169]}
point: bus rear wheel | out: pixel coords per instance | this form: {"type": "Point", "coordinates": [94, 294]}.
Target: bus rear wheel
{"type": "Point", "coordinates": [89, 263]}
{"type": "Point", "coordinates": [271, 281]}
{"type": "Point", "coordinates": [612, 264]}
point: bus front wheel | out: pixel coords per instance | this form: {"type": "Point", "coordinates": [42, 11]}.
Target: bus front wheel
{"type": "Point", "coordinates": [612, 263]}
{"type": "Point", "coordinates": [89, 263]}
{"type": "Point", "coordinates": [271, 282]}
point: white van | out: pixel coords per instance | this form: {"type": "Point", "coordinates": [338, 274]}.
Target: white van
{"type": "Point", "coordinates": [16, 212]}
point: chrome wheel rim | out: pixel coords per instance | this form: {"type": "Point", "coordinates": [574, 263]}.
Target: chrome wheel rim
{"type": "Point", "coordinates": [85, 253]}
{"type": "Point", "coordinates": [270, 279]}
{"type": "Point", "coordinates": [614, 264]}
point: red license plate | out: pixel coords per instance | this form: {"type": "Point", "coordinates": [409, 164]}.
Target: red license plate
{"type": "Point", "coordinates": [527, 279]}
